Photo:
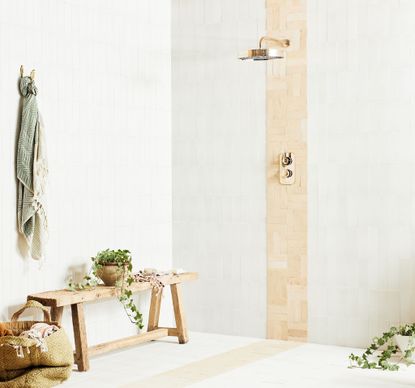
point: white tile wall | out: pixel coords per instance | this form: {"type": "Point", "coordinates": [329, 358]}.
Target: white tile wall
{"type": "Point", "coordinates": [361, 168]}
{"type": "Point", "coordinates": [104, 78]}
{"type": "Point", "coordinates": [218, 124]}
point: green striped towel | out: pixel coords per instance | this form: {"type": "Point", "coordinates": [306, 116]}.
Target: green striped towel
{"type": "Point", "coordinates": [31, 171]}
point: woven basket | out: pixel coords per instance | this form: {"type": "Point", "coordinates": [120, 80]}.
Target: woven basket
{"type": "Point", "coordinates": [23, 364]}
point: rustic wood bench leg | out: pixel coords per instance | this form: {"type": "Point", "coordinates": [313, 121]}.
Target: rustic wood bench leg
{"type": "Point", "coordinates": [79, 331]}
{"type": "Point", "coordinates": [56, 314]}
{"type": "Point", "coordinates": [154, 315]}
{"type": "Point", "coordinates": [176, 294]}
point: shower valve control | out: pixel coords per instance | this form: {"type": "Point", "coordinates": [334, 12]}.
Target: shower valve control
{"type": "Point", "coordinates": [287, 168]}
{"type": "Point", "coordinates": [286, 160]}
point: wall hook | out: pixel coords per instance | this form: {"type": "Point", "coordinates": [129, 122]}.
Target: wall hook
{"type": "Point", "coordinates": [32, 73]}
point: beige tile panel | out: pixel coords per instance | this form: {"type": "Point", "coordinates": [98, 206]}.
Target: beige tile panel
{"type": "Point", "coordinates": [278, 326]}
{"type": "Point", "coordinates": [287, 205]}
{"type": "Point", "coordinates": [277, 287]}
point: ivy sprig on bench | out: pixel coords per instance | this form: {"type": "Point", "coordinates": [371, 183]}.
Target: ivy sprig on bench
{"type": "Point", "coordinates": [127, 300]}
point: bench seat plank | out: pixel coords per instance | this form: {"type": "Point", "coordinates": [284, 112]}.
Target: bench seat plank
{"type": "Point", "coordinates": [61, 298]}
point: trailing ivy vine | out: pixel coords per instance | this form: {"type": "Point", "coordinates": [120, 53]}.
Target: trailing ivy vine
{"type": "Point", "coordinates": [378, 355]}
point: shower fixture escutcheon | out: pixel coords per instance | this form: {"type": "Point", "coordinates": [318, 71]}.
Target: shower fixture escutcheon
{"type": "Point", "coordinates": [267, 53]}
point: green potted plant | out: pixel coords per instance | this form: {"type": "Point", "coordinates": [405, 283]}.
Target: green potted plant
{"type": "Point", "coordinates": [389, 344]}
{"type": "Point", "coordinates": [113, 268]}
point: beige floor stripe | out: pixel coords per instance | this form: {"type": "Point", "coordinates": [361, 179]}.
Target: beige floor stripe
{"type": "Point", "coordinates": [212, 366]}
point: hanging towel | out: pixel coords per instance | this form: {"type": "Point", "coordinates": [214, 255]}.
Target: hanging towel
{"type": "Point", "coordinates": [31, 171]}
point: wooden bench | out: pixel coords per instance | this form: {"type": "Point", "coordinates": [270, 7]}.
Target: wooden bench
{"type": "Point", "coordinates": [57, 300]}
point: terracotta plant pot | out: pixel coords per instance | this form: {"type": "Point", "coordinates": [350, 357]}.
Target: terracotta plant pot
{"type": "Point", "coordinates": [110, 274]}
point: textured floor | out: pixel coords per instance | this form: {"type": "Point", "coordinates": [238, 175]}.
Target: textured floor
{"type": "Point", "coordinates": [210, 360]}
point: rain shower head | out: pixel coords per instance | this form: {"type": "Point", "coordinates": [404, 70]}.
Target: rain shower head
{"type": "Point", "coordinates": [264, 54]}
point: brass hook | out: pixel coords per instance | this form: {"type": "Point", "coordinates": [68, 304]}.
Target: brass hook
{"type": "Point", "coordinates": [32, 73]}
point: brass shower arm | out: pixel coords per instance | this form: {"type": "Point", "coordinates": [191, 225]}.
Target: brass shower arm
{"type": "Point", "coordinates": [278, 42]}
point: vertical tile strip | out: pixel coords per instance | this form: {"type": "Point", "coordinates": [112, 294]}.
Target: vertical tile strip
{"type": "Point", "coordinates": [287, 205]}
